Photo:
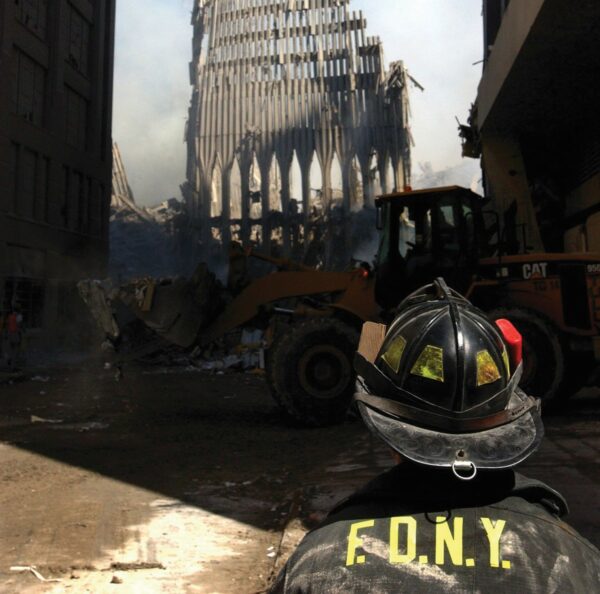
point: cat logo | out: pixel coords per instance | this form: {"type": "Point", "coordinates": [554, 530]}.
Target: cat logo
{"type": "Point", "coordinates": [535, 271]}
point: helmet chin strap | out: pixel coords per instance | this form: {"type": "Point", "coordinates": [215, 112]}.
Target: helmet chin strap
{"type": "Point", "coordinates": [464, 470]}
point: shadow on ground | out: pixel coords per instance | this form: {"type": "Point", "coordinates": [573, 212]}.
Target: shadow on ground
{"type": "Point", "coordinates": [171, 433]}
{"type": "Point", "coordinates": [218, 443]}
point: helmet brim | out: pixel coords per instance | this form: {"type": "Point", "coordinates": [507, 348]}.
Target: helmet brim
{"type": "Point", "coordinates": [500, 447]}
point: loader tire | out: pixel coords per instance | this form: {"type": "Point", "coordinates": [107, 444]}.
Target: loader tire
{"type": "Point", "coordinates": [544, 370]}
{"type": "Point", "coordinates": [311, 371]}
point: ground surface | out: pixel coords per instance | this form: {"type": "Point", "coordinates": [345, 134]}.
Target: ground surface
{"type": "Point", "coordinates": [182, 482]}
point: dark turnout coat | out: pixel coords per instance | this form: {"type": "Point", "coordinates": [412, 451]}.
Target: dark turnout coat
{"type": "Point", "coordinates": [417, 530]}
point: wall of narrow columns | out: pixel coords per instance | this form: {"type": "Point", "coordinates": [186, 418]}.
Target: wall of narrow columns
{"type": "Point", "coordinates": [282, 86]}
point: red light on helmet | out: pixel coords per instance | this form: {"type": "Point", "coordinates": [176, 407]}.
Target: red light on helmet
{"type": "Point", "coordinates": [514, 341]}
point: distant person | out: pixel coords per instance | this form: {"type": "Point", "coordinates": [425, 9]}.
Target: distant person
{"type": "Point", "coordinates": [440, 388]}
{"type": "Point", "coordinates": [14, 335]}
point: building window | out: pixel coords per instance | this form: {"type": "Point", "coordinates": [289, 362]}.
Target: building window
{"type": "Point", "coordinates": [32, 13]}
{"type": "Point", "coordinates": [76, 118]}
{"type": "Point", "coordinates": [78, 188]}
{"type": "Point", "coordinates": [29, 89]}
{"type": "Point", "coordinates": [104, 205]}
{"type": "Point", "coordinates": [85, 194]}
{"type": "Point", "coordinates": [95, 217]}
{"type": "Point", "coordinates": [79, 41]}
{"type": "Point", "coordinates": [26, 195]}
{"type": "Point", "coordinates": [75, 190]}
{"type": "Point", "coordinates": [27, 295]}
{"type": "Point", "coordinates": [30, 183]}
{"type": "Point", "coordinates": [42, 168]}
{"type": "Point", "coordinates": [13, 196]}
{"type": "Point", "coordinates": [64, 207]}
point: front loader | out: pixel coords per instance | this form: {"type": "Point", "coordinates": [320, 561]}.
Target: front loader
{"type": "Point", "coordinates": [553, 299]}
{"type": "Point", "coordinates": [312, 318]}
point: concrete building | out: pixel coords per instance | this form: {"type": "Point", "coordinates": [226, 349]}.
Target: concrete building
{"type": "Point", "coordinates": [56, 71]}
{"type": "Point", "coordinates": [282, 86]}
{"type": "Point", "coordinates": [536, 121]}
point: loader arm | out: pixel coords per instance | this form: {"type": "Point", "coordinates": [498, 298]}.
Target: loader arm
{"type": "Point", "coordinates": [275, 287]}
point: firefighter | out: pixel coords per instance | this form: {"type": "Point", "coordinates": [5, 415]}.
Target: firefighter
{"type": "Point", "coordinates": [440, 387]}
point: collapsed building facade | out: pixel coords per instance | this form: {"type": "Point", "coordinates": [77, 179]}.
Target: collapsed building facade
{"type": "Point", "coordinates": [289, 98]}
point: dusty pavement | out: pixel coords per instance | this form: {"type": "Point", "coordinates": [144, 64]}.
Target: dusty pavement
{"type": "Point", "coordinates": [183, 482]}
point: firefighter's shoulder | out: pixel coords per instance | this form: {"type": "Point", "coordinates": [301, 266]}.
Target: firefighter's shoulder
{"type": "Point", "coordinates": [514, 543]}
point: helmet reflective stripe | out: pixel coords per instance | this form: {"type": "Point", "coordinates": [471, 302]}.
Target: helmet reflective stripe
{"type": "Point", "coordinates": [506, 361]}
{"type": "Point", "coordinates": [487, 370]}
{"type": "Point", "coordinates": [430, 364]}
{"type": "Point", "coordinates": [393, 355]}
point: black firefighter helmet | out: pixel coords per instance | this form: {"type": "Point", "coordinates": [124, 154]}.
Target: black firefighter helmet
{"type": "Point", "coordinates": [441, 388]}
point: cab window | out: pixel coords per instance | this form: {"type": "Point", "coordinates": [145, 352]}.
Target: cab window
{"type": "Point", "coordinates": [406, 238]}
{"type": "Point", "coordinates": [448, 233]}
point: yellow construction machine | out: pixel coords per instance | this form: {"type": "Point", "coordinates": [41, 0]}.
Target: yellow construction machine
{"type": "Point", "coordinates": [312, 318]}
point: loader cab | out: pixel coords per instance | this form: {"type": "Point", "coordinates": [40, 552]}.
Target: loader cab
{"type": "Point", "coordinates": [425, 234]}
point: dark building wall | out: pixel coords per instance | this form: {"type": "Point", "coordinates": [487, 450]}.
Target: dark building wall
{"type": "Point", "coordinates": [493, 12]}
{"type": "Point", "coordinates": [537, 118]}
{"type": "Point", "coordinates": [56, 71]}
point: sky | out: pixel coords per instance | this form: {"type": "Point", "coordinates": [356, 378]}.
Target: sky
{"type": "Point", "coordinates": [439, 41]}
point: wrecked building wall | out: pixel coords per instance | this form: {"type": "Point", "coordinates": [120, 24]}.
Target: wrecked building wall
{"type": "Point", "coordinates": [122, 194]}
{"type": "Point", "coordinates": [282, 87]}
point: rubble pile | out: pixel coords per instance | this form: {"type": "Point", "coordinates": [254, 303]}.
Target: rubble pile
{"type": "Point", "coordinates": [137, 244]}
{"type": "Point", "coordinates": [330, 239]}
{"type": "Point", "coordinates": [142, 240]}
{"type": "Point", "coordinates": [173, 309]}
{"type": "Point", "coordinates": [160, 322]}
{"type": "Point", "coordinates": [242, 351]}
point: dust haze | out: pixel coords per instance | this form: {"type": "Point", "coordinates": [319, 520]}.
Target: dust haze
{"type": "Point", "coordinates": [439, 40]}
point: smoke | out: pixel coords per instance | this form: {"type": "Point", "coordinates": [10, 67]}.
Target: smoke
{"type": "Point", "coordinates": [152, 92]}
{"type": "Point", "coordinates": [367, 250]}
{"type": "Point", "coordinates": [440, 42]}
{"type": "Point", "coordinates": [467, 175]}
{"type": "Point", "coordinates": [365, 236]}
